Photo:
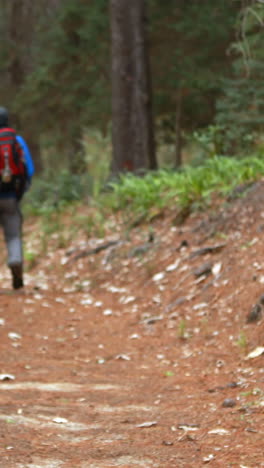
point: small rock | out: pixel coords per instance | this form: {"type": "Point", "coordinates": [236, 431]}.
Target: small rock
{"type": "Point", "coordinates": [261, 299]}
{"type": "Point", "coordinates": [205, 269]}
{"type": "Point", "coordinates": [167, 443]}
{"type": "Point", "coordinates": [260, 228]}
{"type": "Point", "coordinates": [184, 243]}
{"type": "Point", "coordinates": [152, 320]}
{"type": "Point", "coordinates": [255, 314]}
{"type": "Point", "coordinates": [180, 300]}
{"type": "Point", "coordinates": [229, 403]}
{"type": "Point", "coordinates": [140, 250]}
{"type": "Point", "coordinates": [232, 385]}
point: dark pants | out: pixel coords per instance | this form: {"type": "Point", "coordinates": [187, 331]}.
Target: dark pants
{"type": "Point", "coordinates": [11, 221]}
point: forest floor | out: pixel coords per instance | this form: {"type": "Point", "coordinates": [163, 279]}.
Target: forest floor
{"type": "Point", "coordinates": [135, 352]}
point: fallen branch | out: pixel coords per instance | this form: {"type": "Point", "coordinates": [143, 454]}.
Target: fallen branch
{"type": "Point", "coordinates": [94, 251]}
{"type": "Point", "coordinates": [206, 250]}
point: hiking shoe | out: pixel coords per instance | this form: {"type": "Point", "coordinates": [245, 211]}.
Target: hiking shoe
{"type": "Point", "coordinates": [17, 276]}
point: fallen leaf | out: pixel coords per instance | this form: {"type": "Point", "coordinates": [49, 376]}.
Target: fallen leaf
{"type": "Point", "coordinates": [60, 300]}
{"type": "Point", "coordinates": [188, 427]}
{"type": "Point", "coordinates": [158, 277]}
{"type": "Point", "coordinates": [157, 299]}
{"type": "Point", "coordinates": [216, 268]}
{"type": "Point", "coordinates": [148, 424]}
{"type": "Point", "coordinates": [14, 336]}
{"type": "Point", "coordinates": [100, 361]}
{"type": "Point", "coordinates": [255, 353]}
{"type": "Point", "coordinates": [208, 458]}
{"type": "Point", "coordinates": [151, 320]}
{"type": "Point", "coordinates": [126, 300]}
{"type": "Point", "coordinates": [6, 377]}
{"type": "Point", "coordinates": [135, 336]}
{"type": "Point", "coordinates": [60, 420]}
{"type": "Point", "coordinates": [107, 312]}
{"type": "Point", "coordinates": [173, 266]}
{"type": "Point", "coordinates": [123, 357]}
{"type": "Point", "coordinates": [114, 289]}
{"type": "Point", "coordinates": [200, 306]}
{"type": "Point", "coordinates": [86, 301]}
{"type": "Point", "coordinates": [219, 431]}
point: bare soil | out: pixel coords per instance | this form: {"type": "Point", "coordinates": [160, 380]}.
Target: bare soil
{"type": "Point", "coordinates": [138, 353]}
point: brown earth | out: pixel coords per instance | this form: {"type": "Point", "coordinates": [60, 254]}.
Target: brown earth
{"type": "Point", "coordinates": [137, 354]}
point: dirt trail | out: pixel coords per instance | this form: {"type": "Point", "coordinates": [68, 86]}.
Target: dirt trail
{"type": "Point", "coordinates": [132, 357]}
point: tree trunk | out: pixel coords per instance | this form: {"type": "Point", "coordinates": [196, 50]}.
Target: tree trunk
{"type": "Point", "coordinates": [18, 20]}
{"type": "Point", "coordinates": [178, 131]}
{"type": "Point", "coordinates": [121, 86]}
{"type": "Point", "coordinates": [144, 150]}
{"type": "Point", "coordinates": [132, 126]}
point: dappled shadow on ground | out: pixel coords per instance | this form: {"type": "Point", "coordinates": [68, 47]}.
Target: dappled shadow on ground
{"type": "Point", "coordinates": [138, 353]}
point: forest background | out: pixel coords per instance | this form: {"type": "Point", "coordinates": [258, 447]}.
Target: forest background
{"type": "Point", "coordinates": [206, 70]}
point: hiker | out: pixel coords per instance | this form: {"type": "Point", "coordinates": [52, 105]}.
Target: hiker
{"type": "Point", "coordinates": [16, 171]}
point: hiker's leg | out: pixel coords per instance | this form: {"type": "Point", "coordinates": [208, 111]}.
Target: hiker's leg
{"type": "Point", "coordinates": [11, 220]}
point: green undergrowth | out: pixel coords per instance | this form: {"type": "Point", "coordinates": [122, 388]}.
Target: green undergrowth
{"type": "Point", "coordinates": [190, 188]}
{"type": "Point", "coordinates": [142, 198]}
{"type": "Point", "coordinates": [52, 193]}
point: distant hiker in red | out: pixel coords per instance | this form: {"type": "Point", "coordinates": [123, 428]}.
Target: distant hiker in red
{"type": "Point", "coordinates": [14, 181]}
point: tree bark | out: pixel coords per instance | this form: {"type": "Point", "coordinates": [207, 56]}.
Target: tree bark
{"type": "Point", "coordinates": [132, 125]}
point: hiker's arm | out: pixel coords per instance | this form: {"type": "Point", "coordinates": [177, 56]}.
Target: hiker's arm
{"type": "Point", "coordinates": [28, 158]}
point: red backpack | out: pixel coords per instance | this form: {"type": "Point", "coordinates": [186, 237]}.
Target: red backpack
{"type": "Point", "coordinates": [12, 165]}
